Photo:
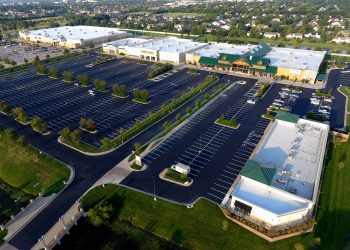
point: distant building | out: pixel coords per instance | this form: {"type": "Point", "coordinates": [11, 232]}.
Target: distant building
{"type": "Point", "coordinates": [294, 36]}
{"type": "Point", "coordinates": [271, 35]}
{"type": "Point", "coordinates": [169, 49]}
{"type": "Point", "coordinates": [73, 36]}
{"type": "Point", "coordinates": [120, 47]}
{"type": "Point", "coordinates": [313, 35]}
{"type": "Point", "coordinates": [341, 40]}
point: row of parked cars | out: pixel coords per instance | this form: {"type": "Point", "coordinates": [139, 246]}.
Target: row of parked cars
{"type": "Point", "coordinates": [286, 99]}
{"type": "Point", "coordinates": [324, 104]}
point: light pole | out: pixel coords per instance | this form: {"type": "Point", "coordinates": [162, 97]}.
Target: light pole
{"type": "Point", "coordinates": [154, 189]}
{"type": "Point", "coordinates": [42, 240]}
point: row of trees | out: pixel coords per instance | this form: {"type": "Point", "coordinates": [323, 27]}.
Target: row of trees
{"type": "Point", "coordinates": [70, 136]}
{"type": "Point", "coordinates": [67, 76]}
{"type": "Point", "coordinates": [159, 69]}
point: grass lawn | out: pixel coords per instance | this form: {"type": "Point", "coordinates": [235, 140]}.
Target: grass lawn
{"type": "Point", "coordinates": [23, 167]}
{"type": "Point", "coordinates": [348, 123]}
{"type": "Point", "coordinates": [202, 226]}
{"type": "Point", "coordinates": [346, 91]}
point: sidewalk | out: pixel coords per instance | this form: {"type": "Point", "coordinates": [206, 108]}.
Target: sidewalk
{"type": "Point", "coordinates": [26, 215]}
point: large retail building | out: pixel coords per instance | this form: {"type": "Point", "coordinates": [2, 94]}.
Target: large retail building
{"type": "Point", "coordinates": [261, 60]}
{"type": "Point", "coordinates": [169, 49]}
{"type": "Point", "coordinates": [73, 36]}
{"type": "Point", "coordinates": [279, 184]}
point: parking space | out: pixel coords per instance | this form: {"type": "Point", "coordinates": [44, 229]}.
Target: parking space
{"type": "Point", "coordinates": [231, 170]}
{"type": "Point", "coordinates": [17, 52]}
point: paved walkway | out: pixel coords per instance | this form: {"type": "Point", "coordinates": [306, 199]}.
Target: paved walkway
{"type": "Point", "coordinates": [13, 226]}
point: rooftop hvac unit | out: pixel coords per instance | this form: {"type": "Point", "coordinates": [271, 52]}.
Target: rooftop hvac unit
{"type": "Point", "coordinates": [295, 57]}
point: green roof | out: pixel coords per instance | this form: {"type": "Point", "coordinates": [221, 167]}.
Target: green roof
{"type": "Point", "coordinates": [255, 171]}
{"type": "Point", "coordinates": [228, 57]}
{"type": "Point", "coordinates": [211, 61]}
{"type": "Point", "coordinates": [268, 70]}
{"type": "Point", "coordinates": [286, 116]}
{"type": "Point", "coordinates": [321, 77]}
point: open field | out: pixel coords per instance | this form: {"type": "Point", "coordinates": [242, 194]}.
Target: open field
{"type": "Point", "coordinates": [26, 169]}
{"type": "Point", "coordinates": [178, 223]}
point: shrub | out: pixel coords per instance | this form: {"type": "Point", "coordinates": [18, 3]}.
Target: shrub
{"type": "Point", "coordinates": [83, 79]}
{"type": "Point", "coordinates": [100, 85]}
{"type": "Point", "coordinates": [120, 90]}
{"type": "Point", "coordinates": [4, 107]}
{"type": "Point", "coordinates": [54, 73]}
{"type": "Point", "coordinates": [159, 69]}
{"type": "Point", "coordinates": [39, 124]}
{"type": "Point", "coordinates": [67, 76]}
{"type": "Point", "coordinates": [41, 69]}
{"type": "Point", "coordinates": [100, 214]}
{"type": "Point", "coordinates": [19, 114]}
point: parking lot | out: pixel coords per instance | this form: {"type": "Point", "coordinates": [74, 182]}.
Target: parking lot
{"type": "Point", "coordinates": [63, 105]}
{"type": "Point", "coordinates": [18, 52]}
{"type": "Point", "coordinates": [215, 153]}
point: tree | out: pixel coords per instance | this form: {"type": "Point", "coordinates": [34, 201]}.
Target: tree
{"type": "Point", "coordinates": [75, 136]}
{"type": "Point", "coordinates": [67, 76]}
{"type": "Point", "coordinates": [100, 214]}
{"type": "Point", "coordinates": [65, 134]}
{"type": "Point", "coordinates": [105, 142]}
{"type": "Point", "coordinates": [122, 132]}
{"type": "Point", "coordinates": [47, 57]}
{"type": "Point", "coordinates": [82, 122]}
{"type": "Point", "coordinates": [188, 110]}
{"type": "Point", "coordinates": [41, 69]}
{"type": "Point", "coordinates": [66, 51]}
{"type": "Point", "coordinates": [36, 60]}
{"type": "Point", "coordinates": [198, 103]}
{"type": "Point", "coordinates": [22, 141]}
{"type": "Point", "coordinates": [166, 125]}
{"type": "Point", "coordinates": [19, 114]}
{"type": "Point", "coordinates": [178, 117]}
{"type": "Point", "coordinates": [4, 107]}
{"type": "Point", "coordinates": [83, 79]}
{"type": "Point", "coordinates": [137, 147]}
{"type": "Point", "coordinates": [119, 90]}
{"type": "Point", "coordinates": [54, 73]}
{"type": "Point", "coordinates": [100, 85]}
{"type": "Point", "coordinates": [38, 124]}
{"type": "Point", "coordinates": [10, 134]}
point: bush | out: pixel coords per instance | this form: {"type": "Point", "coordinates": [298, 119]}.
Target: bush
{"type": "Point", "coordinates": [54, 73]}
{"type": "Point", "coordinates": [141, 95]}
{"type": "Point", "coordinates": [4, 107]}
{"type": "Point", "coordinates": [67, 76]}
{"type": "Point", "coordinates": [120, 90]}
{"type": "Point", "coordinates": [65, 134]}
{"type": "Point", "coordinates": [39, 124]}
{"type": "Point", "coordinates": [41, 69]}
{"type": "Point", "coordinates": [159, 69]}
{"type": "Point", "coordinates": [100, 214]}
{"type": "Point", "coordinates": [83, 79]}
{"type": "Point", "coordinates": [19, 114]}
{"type": "Point", "coordinates": [100, 85]}
{"type": "Point", "coordinates": [87, 124]}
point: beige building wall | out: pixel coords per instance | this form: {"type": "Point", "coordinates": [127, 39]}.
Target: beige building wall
{"type": "Point", "coordinates": [297, 75]}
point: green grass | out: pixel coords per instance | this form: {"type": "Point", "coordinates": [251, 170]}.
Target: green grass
{"type": "Point", "coordinates": [201, 226]}
{"type": "Point", "coordinates": [227, 123]}
{"type": "Point", "coordinates": [346, 91]}
{"type": "Point", "coordinates": [196, 228]}
{"type": "Point", "coordinates": [347, 123]}
{"type": "Point", "coordinates": [333, 218]}
{"type": "Point", "coordinates": [136, 166]}
{"type": "Point", "coordinates": [23, 167]}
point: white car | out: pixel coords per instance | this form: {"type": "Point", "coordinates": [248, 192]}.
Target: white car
{"type": "Point", "coordinates": [252, 100]}
{"type": "Point", "coordinates": [315, 102]}
{"type": "Point", "coordinates": [91, 92]}
{"type": "Point", "coordinates": [286, 108]}
{"type": "Point", "coordinates": [327, 100]}
{"type": "Point", "coordinates": [323, 111]}
{"type": "Point", "coordinates": [277, 104]}
{"type": "Point", "coordinates": [285, 89]}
